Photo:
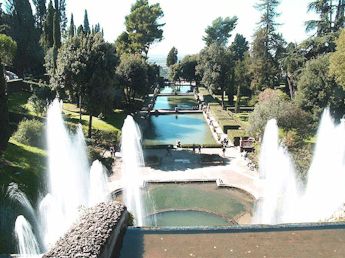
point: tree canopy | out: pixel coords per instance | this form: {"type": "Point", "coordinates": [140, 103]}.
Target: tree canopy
{"type": "Point", "coordinates": [220, 31]}
{"type": "Point", "coordinates": [172, 57]}
{"type": "Point", "coordinates": [337, 60]}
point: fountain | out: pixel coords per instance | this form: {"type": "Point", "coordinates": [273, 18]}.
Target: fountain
{"type": "Point", "coordinates": [285, 199]}
{"type": "Point", "coordinates": [133, 160]}
{"type": "Point", "coordinates": [27, 243]}
{"type": "Point", "coordinates": [69, 183]}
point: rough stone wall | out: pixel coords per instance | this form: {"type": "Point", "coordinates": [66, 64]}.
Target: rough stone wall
{"type": "Point", "coordinates": [99, 228]}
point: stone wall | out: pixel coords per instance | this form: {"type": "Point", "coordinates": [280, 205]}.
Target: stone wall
{"type": "Point", "coordinates": [98, 234]}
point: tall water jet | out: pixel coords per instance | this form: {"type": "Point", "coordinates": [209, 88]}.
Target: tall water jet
{"type": "Point", "coordinates": [133, 161]}
{"type": "Point", "coordinates": [99, 191]}
{"type": "Point", "coordinates": [27, 243]}
{"type": "Point", "coordinates": [285, 200]}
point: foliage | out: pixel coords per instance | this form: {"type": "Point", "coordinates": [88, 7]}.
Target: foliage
{"type": "Point", "coordinates": [266, 47]}
{"type": "Point", "coordinates": [220, 31]}
{"type": "Point", "coordinates": [71, 28]}
{"type": "Point", "coordinates": [29, 55]}
{"type": "Point", "coordinates": [41, 10]}
{"type": "Point", "coordinates": [337, 64]}
{"type": "Point", "coordinates": [133, 75]}
{"type": "Point", "coordinates": [30, 132]}
{"type": "Point", "coordinates": [4, 120]}
{"type": "Point", "coordinates": [317, 90]}
{"type": "Point", "coordinates": [143, 27]}
{"type": "Point", "coordinates": [41, 98]}
{"type": "Point", "coordinates": [188, 68]}
{"type": "Point", "coordinates": [172, 57]}
{"type": "Point", "coordinates": [86, 23]}
{"type": "Point", "coordinates": [214, 68]}
{"type": "Point", "coordinates": [86, 69]}
{"type": "Point", "coordinates": [8, 49]}
{"type": "Point", "coordinates": [275, 104]}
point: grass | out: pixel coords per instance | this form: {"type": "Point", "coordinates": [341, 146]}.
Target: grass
{"type": "Point", "coordinates": [18, 103]}
{"type": "Point", "coordinates": [112, 123]}
{"type": "Point", "coordinates": [24, 165]}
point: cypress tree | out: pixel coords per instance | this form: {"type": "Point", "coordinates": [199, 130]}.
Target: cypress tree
{"type": "Point", "coordinates": [56, 30]}
{"type": "Point", "coordinates": [71, 29]}
{"type": "Point", "coordinates": [86, 23]}
{"type": "Point", "coordinates": [41, 12]}
{"type": "Point", "coordinates": [48, 27]}
{"type": "Point", "coordinates": [63, 17]}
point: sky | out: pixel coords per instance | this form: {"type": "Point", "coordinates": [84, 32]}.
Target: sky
{"type": "Point", "coordinates": [186, 20]}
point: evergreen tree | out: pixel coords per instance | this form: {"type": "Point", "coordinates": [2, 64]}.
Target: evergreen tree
{"type": "Point", "coordinates": [220, 30]}
{"type": "Point", "coordinates": [71, 29]}
{"type": "Point", "coordinates": [324, 24]}
{"type": "Point", "coordinates": [340, 16]}
{"type": "Point", "coordinates": [41, 12]}
{"type": "Point", "coordinates": [29, 55]}
{"type": "Point", "coordinates": [63, 16]}
{"type": "Point", "coordinates": [267, 46]}
{"type": "Point", "coordinates": [80, 30]}
{"type": "Point", "coordinates": [56, 31]}
{"type": "Point", "coordinates": [86, 25]}
{"type": "Point", "coordinates": [48, 40]}
{"type": "Point", "coordinates": [172, 57]}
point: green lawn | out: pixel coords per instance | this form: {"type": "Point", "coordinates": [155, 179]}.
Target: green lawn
{"type": "Point", "coordinates": [24, 165]}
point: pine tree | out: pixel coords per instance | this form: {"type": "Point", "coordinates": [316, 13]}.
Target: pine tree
{"type": "Point", "coordinates": [86, 23]}
{"type": "Point", "coordinates": [340, 16]}
{"type": "Point", "coordinates": [71, 29]}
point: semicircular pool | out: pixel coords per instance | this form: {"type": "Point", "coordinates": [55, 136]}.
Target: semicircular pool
{"type": "Point", "coordinates": [185, 218]}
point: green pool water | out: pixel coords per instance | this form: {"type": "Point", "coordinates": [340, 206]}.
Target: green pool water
{"type": "Point", "coordinates": [168, 129]}
{"type": "Point", "coordinates": [187, 218]}
{"type": "Point", "coordinates": [170, 102]}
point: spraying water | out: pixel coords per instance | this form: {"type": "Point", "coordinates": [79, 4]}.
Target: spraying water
{"type": "Point", "coordinates": [284, 199]}
{"type": "Point", "coordinates": [70, 183]}
{"type": "Point", "coordinates": [133, 160]}
{"type": "Point", "coordinates": [98, 184]}
{"type": "Point", "coordinates": [27, 243]}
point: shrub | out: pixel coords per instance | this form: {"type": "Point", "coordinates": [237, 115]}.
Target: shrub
{"type": "Point", "coordinates": [30, 132]}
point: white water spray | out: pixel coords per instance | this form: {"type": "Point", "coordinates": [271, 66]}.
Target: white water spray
{"type": "Point", "coordinates": [133, 161]}
{"type": "Point", "coordinates": [26, 240]}
{"type": "Point", "coordinates": [70, 184]}
{"type": "Point", "coordinates": [284, 199]}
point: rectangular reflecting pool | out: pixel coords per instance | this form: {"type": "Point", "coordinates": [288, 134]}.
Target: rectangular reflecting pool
{"type": "Point", "coordinates": [168, 129]}
{"type": "Point", "coordinates": [170, 102]}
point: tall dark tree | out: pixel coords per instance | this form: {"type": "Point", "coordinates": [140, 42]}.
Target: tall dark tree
{"type": "Point", "coordinates": [71, 29]}
{"type": "Point", "coordinates": [56, 31]}
{"type": "Point", "coordinates": [172, 57]}
{"type": "Point", "coordinates": [239, 74]}
{"type": "Point", "coordinates": [267, 46]}
{"type": "Point", "coordinates": [86, 25]}
{"type": "Point", "coordinates": [220, 30]}
{"type": "Point", "coordinates": [29, 56]}
{"type": "Point", "coordinates": [339, 21]}
{"type": "Point", "coordinates": [324, 9]}
{"type": "Point", "coordinates": [63, 16]}
{"type": "Point", "coordinates": [214, 68]}
{"type": "Point", "coordinates": [48, 35]}
{"type": "Point", "coordinates": [41, 11]}
{"type": "Point", "coordinates": [188, 68]}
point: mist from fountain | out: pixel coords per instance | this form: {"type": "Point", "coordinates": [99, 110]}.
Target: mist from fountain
{"type": "Point", "coordinates": [27, 242]}
{"type": "Point", "coordinates": [285, 198]}
{"type": "Point", "coordinates": [70, 183]}
{"type": "Point", "coordinates": [133, 161]}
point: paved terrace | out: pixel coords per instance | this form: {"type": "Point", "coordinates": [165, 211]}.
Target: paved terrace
{"type": "Point", "coordinates": [184, 166]}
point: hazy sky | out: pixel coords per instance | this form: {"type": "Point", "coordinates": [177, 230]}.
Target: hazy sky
{"type": "Point", "coordinates": [186, 20]}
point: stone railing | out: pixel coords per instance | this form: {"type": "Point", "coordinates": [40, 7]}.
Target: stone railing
{"type": "Point", "coordinates": [98, 234]}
